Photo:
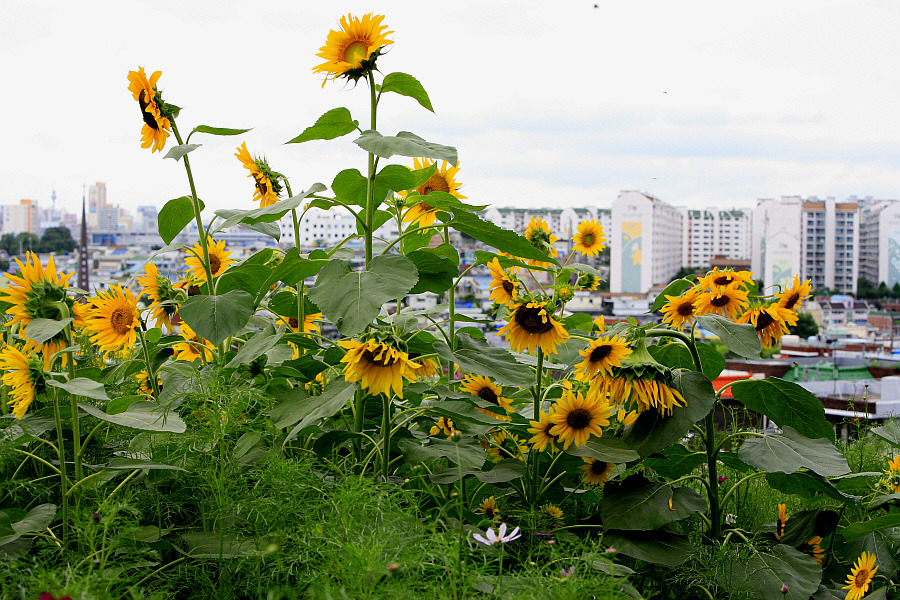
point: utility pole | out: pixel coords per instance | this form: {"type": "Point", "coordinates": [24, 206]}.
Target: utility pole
{"type": "Point", "coordinates": [83, 272]}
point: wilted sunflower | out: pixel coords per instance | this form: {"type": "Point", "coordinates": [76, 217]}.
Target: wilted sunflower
{"type": "Point", "coordinates": [717, 278]}
{"type": "Point", "coordinates": [189, 350]}
{"type": "Point", "coordinates": [782, 521]}
{"type": "Point", "coordinates": [25, 377]}
{"type": "Point", "coordinates": [114, 319]}
{"type": "Point", "coordinates": [487, 390]}
{"type": "Point", "coordinates": [530, 326]}
{"type": "Point", "coordinates": [378, 366]}
{"type": "Point", "coordinates": [792, 297]}
{"type": "Point", "coordinates": [861, 576]}
{"type": "Point", "coordinates": [727, 301]}
{"type": "Point", "coordinates": [267, 181]}
{"type": "Point", "coordinates": [681, 310]}
{"type": "Point", "coordinates": [589, 240]}
{"type": "Point", "coordinates": [488, 508]}
{"type": "Point", "coordinates": [443, 425]}
{"type": "Point", "coordinates": [575, 418]}
{"type": "Point", "coordinates": [538, 233]}
{"type": "Point", "coordinates": [503, 286]}
{"type": "Point", "coordinates": [769, 321]}
{"type": "Point", "coordinates": [443, 180]}
{"type": "Point", "coordinates": [218, 259]}
{"type": "Point", "coordinates": [596, 471]}
{"type": "Point", "coordinates": [601, 356]}
{"type": "Point", "coordinates": [541, 430]}
{"type": "Point", "coordinates": [503, 445]}
{"type": "Point", "coordinates": [156, 127]}
{"type": "Point", "coordinates": [639, 388]}
{"type": "Point", "coordinates": [162, 294]}
{"type": "Point", "coordinates": [351, 51]}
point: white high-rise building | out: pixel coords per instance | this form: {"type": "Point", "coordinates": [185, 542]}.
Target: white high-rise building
{"type": "Point", "coordinates": [712, 232]}
{"type": "Point", "coordinates": [319, 228]}
{"type": "Point", "coordinates": [23, 217]}
{"type": "Point", "coordinates": [879, 246]}
{"type": "Point", "coordinates": [645, 242]}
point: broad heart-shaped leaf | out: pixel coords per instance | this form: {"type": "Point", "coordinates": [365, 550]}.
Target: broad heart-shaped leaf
{"type": "Point", "coordinates": [481, 358]}
{"type": "Point", "coordinates": [256, 346]}
{"type": "Point", "coordinates": [147, 416]}
{"type": "Point", "coordinates": [466, 453]}
{"type": "Point", "coordinates": [174, 216]}
{"type": "Point", "coordinates": [216, 317]}
{"type": "Point", "coordinates": [37, 519]}
{"type": "Point", "coordinates": [350, 188]}
{"type": "Point", "coordinates": [459, 411]}
{"type": "Point", "coordinates": [675, 461]}
{"type": "Point", "coordinates": [404, 144]}
{"type": "Point", "coordinates": [661, 547]}
{"type": "Point", "coordinates": [82, 386]}
{"type": "Point", "coordinates": [177, 152]}
{"type": "Point", "coordinates": [786, 403]}
{"type": "Point", "coordinates": [495, 237]}
{"type": "Point", "coordinates": [294, 269]}
{"type": "Point", "coordinates": [807, 484]}
{"type": "Point", "coordinates": [335, 123]}
{"type": "Point", "coordinates": [889, 432]}
{"type": "Point", "coordinates": [790, 451]}
{"type": "Point", "coordinates": [740, 338]}
{"type": "Point", "coordinates": [400, 178]}
{"type": "Point", "coordinates": [677, 356]}
{"type": "Point", "coordinates": [673, 289]}
{"type": "Point", "coordinates": [638, 503]}
{"type": "Point", "coordinates": [332, 400]}
{"type": "Point", "coordinates": [267, 214]}
{"type": "Point", "coordinates": [250, 278]}
{"type": "Point", "coordinates": [41, 330]}
{"type": "Point", "coordinates": [505, 470]}
{"type": "Point", "coordinates": [863, 528]}
{"type": "Point", "coordinates": [652, 432]}
{"type": "Point", "coordinates": [352, 299]}
{"type": "Point", "coordinates": [607, 448]}
{"type": "Point", "coordinates": [216, 130]}
{"type": "Point", "coordinates": [437, 267]}
{"type": "Point", "coordinates": [804, 525]}
{"type": "Point", "coordinates": [406, 85]}
{"type": "Point", "coordinates": [764, 574]}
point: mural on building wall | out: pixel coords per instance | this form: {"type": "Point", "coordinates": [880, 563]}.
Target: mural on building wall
{"type": "Point", "coordinates": [631, 256]}
{"type": "Point", "coordinates": [782, 272]}
{"type": "Point", "coordinates": [893, 257]}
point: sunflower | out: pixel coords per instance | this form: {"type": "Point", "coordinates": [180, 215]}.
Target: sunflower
{"type": "Point", "coordinates": [530, 325]}
{"type": "Point", "coordinates": [601, 356]}
{"type": "Point", "coordinates": [25, 377]}
{"type": "Point", "coordinates": [541, 430]}
{"type": "Point", "coordinates": [428, 369]}
{"type": "Point", "coordinates": [218, 259]}
{"type": "Point", "coordinates": [113, 319]}
{"type": "Point", "coordinates": [379, 366]}
{"type": "Point", "coordinates": [893, 475]}
{"type": "Point", "coordinates": [555, 513]}
{"type": "Point", "coordinates": [727, 301]}
{"type": "Point", "coordinates": [144, 388]}
{"type": "Point", "coordinates": [267, 181]}
{"type": "Point", "coordinates": [861, 576]}
{"type": "Point", "coordinates": [769, 321]}
{"type": "Point", "coordinates": [162, 294]}
{"type": "Point", "coordinates": [781, 522]}
{"type": "Point", "coordinates": [443, 180]}
{"type": "Point", "coordinates": [716, 278]}
{"type": "Point", "coordinates": [792, 297]}
{"type": "Point", "coordinates": [309, 322]}
{"type": "Point", "coordinates": [575, 418]}
{"type": "Point", "coordinates": [352, 51]}
{"type": "Point", "coordinates": [587, 281]}
{"type": "Point", "coordinates": [157, 127]}
{"type": "Point", "coordinates": [189, 350]}
{"type": "Point", "coordinates": [596, 471]}
{"type": "Point", "coordinates": [502, 445]}
{"type": "Point", "coordinates": [589, 239]}
{"type": "Point", "coordinates": [503, 286]}
{"type": "Point", "coordinates": [443, 425]}
{"type": "Point", "coordinates": [488, 508]}
{"type": "Point", "coordinates": [564, 293]}
{"type": "Point", "coordinates": [538, 233]}
{"type": "Point", "coordinates": [681, 310]}
{"type": "Point", "coordinates": [814, 546]}
{"type": "Point", "coordinates": [639, 384]}
{"type": "Point", "coordinates": [485, 389]}
{"type": "Point", "coordinates": [600, 324]}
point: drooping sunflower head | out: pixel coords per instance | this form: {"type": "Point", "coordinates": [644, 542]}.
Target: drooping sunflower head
{"type": "Point", "coordinates": [352, 50]}
{"type": "Point", "coordinates": [267, 182]}
{"type": "Point", "coordinates": [487, 390]}
{"type": "Point", "coordinates": [680, 311]}
{"type": "Point", "coordinates": [162, 293]}
{"type": "Point", "coordinates": [782, 521]}
{"type": "Point", "coordinates": [542, 437]}
{"type": "Point", "coordinates": [504, 285]}
{"type": "Point", "coordinates": [157, 126]}
{"type": "Point", "coordinates": [717, 278]}
{"type": "Point", "coordinates": [428, 369]}
{"type": "Point", "coordinates": [378, 366]}
{"type": "Point", "coordinates": [24, 376]}
{"type": "Point", "coordinates": [601, 356]}
{"type": "Point", "coordinates": [861, 576]}
{"type": "Point", "coordinates": [502, 445]}
{"type": "Point", "coordinates": [587, 281]}
{"type": "Point", "coordinates": [814, 547]}
{"type": "Point", "coordinates": [596, 471]}
{"type": "Point", "coordinates": [727, 301]}
{"type": "Point", "coordinates": [540, 236]}
{"type": "Point", "coordinates": [530, 326]}
{"type": "Point", "coordinates": [219, 259]}
{"type": "Point", "coordinates": [589, 240]}
{"type": "Point", "coordinates": [114, 319]}
{"type": "Point", "coordinates": [575, 418]}
{"type": "Point", "coordinates": [488, 508]}
{"type": "Point", "coordinates": [792, 297]}
{"type": "Point", "coordinates": [770, 322]}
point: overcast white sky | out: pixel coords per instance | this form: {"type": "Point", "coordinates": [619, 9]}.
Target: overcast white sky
{"type": "Point", "coordinates": [549, 103]}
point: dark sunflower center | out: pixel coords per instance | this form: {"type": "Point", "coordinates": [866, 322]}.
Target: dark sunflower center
{"type": "Point", "coordinates": [722, 280]}
{"type": "Point", "coordinates": [779, 527]}
{"type": "Point", "coordinates": [437, 183]}
{"type": "Point", "coordinates": [193, 290]}
{"type": "Point", "coordinates": [121, 320]}
{"type": "Point", "coordinates": [588, 240]}
{"type": "Point", "coordinates": [294, 322]}
{"type": "Point", "coordinates": [532, 321]}
{"type": "Point", "coordinates": [214, 263]}
{"type": "Point", "coordinates": [489, 512]}
{"type": "Point", "coordinates": [598, 467]}
{"type": "Point", "coordinates": [508, 286]}
{"type": "Point", "coordinates": [578, 418]}
{"type": "Point", "coordinates": [488, 394]}
{"type": "Point", "coordinates": [262, 187]}
{"type": "Point", "coordinates": [861, 576]}
{"type": "Point", "coordinates": [685, 309]}
{"type": "Point", "coordinates": [763, 321]}
{"type": "Point", "coordinates": [791, 301]}
{"type": "Point", "coordinates": [355, 52]}
{"type": "Point", "coordinates": [720, 301]}
{"type": "Point", "coordinates": [370, 357]}
{"type": "Point", "coordinates": [600, 352]}
{"type": "Point", "coordinates": [149, 119]}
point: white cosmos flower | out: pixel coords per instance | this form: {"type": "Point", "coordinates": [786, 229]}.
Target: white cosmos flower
{"type": "Point", "coordinates": [490, 538]}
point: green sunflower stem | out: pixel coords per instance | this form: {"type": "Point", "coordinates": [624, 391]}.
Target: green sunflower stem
{"type": "Point", "coordinates": [301, 308]}
{"type": "Point", "coordinates": [452, 300]}
{"type": "Point", "coordinates": [370, 180]}
{"type": "Point", "coordinates": [386, 437]}
{"type": "Point", "coordinates": [63, 478]}
{"type": "Point", "coordinates": [538, 397]}
{"type": "Point", "coordinates": [76, 424]}
{"type": "Point", "coordinates": [151, 374]}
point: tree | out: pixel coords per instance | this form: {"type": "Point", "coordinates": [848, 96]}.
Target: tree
{"type": "Point", "coordinates": [8, 243]}
{"type": "Point", "coordinates": [57, 239]}
{"type": "Point", "coordinates": [26, 242]}
{"type": "Point", "coordinates": [864, 289]}
{"type": "Point", "coordinates": [806, 326]}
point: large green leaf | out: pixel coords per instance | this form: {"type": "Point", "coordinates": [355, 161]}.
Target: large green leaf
{"type": "Point", "coordinates": [332, 400]}
{"type": "Point", "coordinates": [652, 431]}
{"type": "Point", "coordinates": [250, 278]}
{"type": "Point", "coordinates": [676, 461]}
{"type": "Point", "coordinates": [889, 432]}
{"type": "Point", "coordinates": [335, 123]}
{"type": "Point", "coordinates": [147, 416]}
{"type": "Point", "coordinates": [673, 289]}
{"type": "Point", "coordinates": [37, 519]}
{"type": "Point", "coordinates": [293, 269]}
{"type": "Point", "coordinates": [864, 528]}
{"type": "Point", "coordinates": [505, 470]}
{"type": "Point", "coordinates": [786, 403]}
{"type": "Point", "coordinates": [41, 330]}
{"type": "Point", "coordinates": [174, 216]}
{"type": "Point", "coordinates": [677, 356]}
{"type": "Point", "coordinates": [481, 358]}
{"type": "Point", "coordinates": [400, 178]}
{"type": "Point", "coordinates": [791, 451]}
{"type": "Point", "coordinates": [404, 144]}
{"type": "Point", "coordinates": [804, 525]}
{"type": "Point", "coordinates": [638, 503]}
{"type": "Point", "coordinates": [460, 411]}
{"type": "Point", "coordinates": [495, 237]}
{"type": "Point", "coordinates": [216, 317]}
{"type": "Point", "coordinates": [406, 85]}
{"type": "Point", "coordinates": [607, 448]}
{"type": "Point", "coordinates": [216, 130]}
{"type": "Point", "coordinates": [764, 574]}
{"type": "Point", "coordinates": [177, 152]}
{"type": "Point", "coordinates": [807, 484]}
{"type": "Point", "coordinates": [350, 187]}
{"type": "Point", "coordinates": [82, 386]}
{"type": "Point", "coordinates": [437, 267]}
{"type": "Point", "coordinates": [256, 346]}
{"type": "Point", "coordinates": [352, 299]}
{"type": "Point", "coordinates": [466, 453]}
{"type": "Point", "coordinates": [661, 547]}
{"type": "Point", "coordinates": [740, 338]}
{"type": "Point", "coordinates": [266, 214]}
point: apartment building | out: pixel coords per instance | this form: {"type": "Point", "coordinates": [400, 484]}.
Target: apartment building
{"type": "Point", "coordinates": [879, 245]}
{"type": "Point", "coordinates": [646, 242]}
{"type": "Point", "coordinates": [711, 232]}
